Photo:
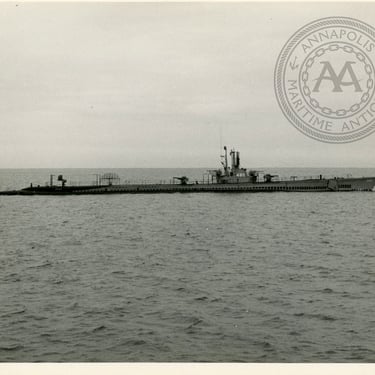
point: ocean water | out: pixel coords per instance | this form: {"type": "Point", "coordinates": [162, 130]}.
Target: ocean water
{"type": "Point", "coordinates": [266, 277]}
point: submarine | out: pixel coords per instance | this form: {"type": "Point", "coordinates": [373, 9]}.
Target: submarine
{"type": "Point", "coordinates": [229, 178]}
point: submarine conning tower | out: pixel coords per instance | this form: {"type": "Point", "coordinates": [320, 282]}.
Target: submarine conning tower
{"type": "Point", "coordinates": [233, 173]}
{"type": "Point", "coordinates": [235, 168]}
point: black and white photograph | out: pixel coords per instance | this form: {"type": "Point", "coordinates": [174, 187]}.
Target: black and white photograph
{"type": "Point", "coordinates": [187, 182]}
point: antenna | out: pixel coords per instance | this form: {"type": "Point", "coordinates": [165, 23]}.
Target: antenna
{"type": "Point", "coordinates": [225, 160]}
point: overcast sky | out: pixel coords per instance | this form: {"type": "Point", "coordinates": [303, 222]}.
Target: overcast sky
{"type": "Point", "coordinates": [151, 85]}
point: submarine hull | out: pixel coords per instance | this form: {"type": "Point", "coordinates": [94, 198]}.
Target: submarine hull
{"type": "Point", "coordinates": [312, 185]}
